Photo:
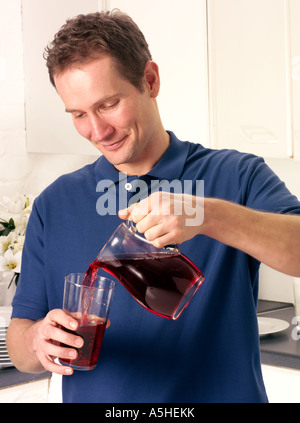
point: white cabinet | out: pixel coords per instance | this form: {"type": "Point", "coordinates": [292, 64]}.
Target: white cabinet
{"type": "Point", "coordinates": [250, 75]}
{"type": "Point", "coordinates": [48, 128]}
{"type": "Point", "coordinates": [230, 72]}
{"type": "Point", "coordinates": [176, 33]}
{"type": "Point", "coordinates": [295, 57]}
{"type": "Point", "coordinates": [177, 36]}
{"type": "Point", "coordinates": [32, 392]}
{"type": "Point", "coordinates": [282, 384]}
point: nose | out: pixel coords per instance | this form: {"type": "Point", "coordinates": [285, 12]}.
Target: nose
{"type": "Point", "coordinates": [101, 130]}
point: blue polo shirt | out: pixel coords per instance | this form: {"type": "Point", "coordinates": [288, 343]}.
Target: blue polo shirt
{"type": "Point", "coordinates": [211, 353]}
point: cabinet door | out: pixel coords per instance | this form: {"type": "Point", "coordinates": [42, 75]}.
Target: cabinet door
{"type": "Point", "coordinates": [177, 38]}
{"type": "Point", "coordinates": [295, 57]}
{"type": "Point", "coordinates": [48, 128]}
{"type": "Point", "coordinates": [32, 392]}
{"type": "Point", "coordinates": [282, 384]}
{"type": "Point", "coordinates": [250, 76]}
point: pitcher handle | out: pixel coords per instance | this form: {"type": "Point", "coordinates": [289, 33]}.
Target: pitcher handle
{"type": "Point", "coordinates": [130, 225]}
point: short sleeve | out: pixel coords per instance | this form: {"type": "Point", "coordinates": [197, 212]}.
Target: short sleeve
{"type": "Point", "coordinates": [263, 189]}
{"type": "Point", "coordinates": [30, 300]}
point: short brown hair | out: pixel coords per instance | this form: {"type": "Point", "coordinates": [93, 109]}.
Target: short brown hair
{"type": "Point", "coordinates": [84, 37]}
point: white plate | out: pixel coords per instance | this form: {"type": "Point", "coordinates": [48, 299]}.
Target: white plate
{"type": "Point", "coordinates": [268, 325]}
{"type": "Point", "coordinates": [5, 313]}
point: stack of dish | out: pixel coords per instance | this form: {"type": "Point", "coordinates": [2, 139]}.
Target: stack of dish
{"type": "Point", "coordinates": [5, 313]}
{"type": "Point", "coordinates": [268, 325]}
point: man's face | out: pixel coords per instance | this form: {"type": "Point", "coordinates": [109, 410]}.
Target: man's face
{"type": "Point", "coordinates": [117, 118]}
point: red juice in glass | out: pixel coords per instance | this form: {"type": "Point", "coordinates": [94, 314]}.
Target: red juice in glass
{"type": "Point", "coordinates": [92, 333]}
{"type": "Point", "coordinates": [89, 304]}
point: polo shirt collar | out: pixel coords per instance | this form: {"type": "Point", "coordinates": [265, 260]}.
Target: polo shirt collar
{"type": "Point", "coordinates": [169, 167]}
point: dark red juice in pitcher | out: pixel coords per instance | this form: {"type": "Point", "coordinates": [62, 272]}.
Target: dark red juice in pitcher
{"type": "Point", "coordinates": [162, 283]}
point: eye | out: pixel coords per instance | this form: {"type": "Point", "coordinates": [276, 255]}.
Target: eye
{"type": "Point", "coordinates": [110, 105]}
{"type": "Point", "coordinates": [78, 115]}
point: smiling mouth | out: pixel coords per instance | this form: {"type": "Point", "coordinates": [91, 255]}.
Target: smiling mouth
{"type": "Point", "coordinates": [115, 145]}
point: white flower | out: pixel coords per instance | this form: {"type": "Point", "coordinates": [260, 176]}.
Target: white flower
{"type": "Point", "coordinates": [11, 206]}
{"type": "Point", "coordinates": [14, 215]}
{"type": "Point", "coordinates": [19, 243]}
{"type": "Point", "coordinates": [20, 222]}
{"type": "Point", "coordinates": [28, 204]}
{"type": "Point", "coordinates": [11, 262]}
{"type": "Point", "coordinates": [6, 242]}
{"type": "Point", "coordinates": [21, 204]}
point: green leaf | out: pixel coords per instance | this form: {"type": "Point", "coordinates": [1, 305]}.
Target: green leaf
{"type": "Point", "coordinates": [15, 279]}
{"type": "Point", "coordinates": [11, 224]}
{"type": "Point", "coordinates": [8, 226]}
{"type": "Point", "coordinates": [5, 231]}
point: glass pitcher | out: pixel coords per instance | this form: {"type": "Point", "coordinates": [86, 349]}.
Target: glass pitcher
{"type": "Point", "coordinates": [160, 279]}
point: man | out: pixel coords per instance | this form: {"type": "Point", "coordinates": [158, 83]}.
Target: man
{"type": "Point", "coordinates": [102, 69]}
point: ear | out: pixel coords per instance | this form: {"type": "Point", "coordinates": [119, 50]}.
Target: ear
{"type": "Point", "coordinates": [152, 79]}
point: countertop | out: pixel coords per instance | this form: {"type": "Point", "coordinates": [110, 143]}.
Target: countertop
{"type": "Point", "coordinates": [278, 349]}
{"type": "Point", "coordinates": [282, 348]}
{"type": "Point", "coordinates": [10, 376]}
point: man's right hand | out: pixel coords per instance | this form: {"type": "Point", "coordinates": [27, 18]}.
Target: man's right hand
{"type": "Point", "coordinates": [33, 346]}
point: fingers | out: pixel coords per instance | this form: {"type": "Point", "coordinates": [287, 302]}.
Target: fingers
{"type": "Point", "coordinates": [167, 231]}
{"type": "Point", "coordinates": [136, 211]}
{"type": "Point", "coordinates": [53, 338]}
{"type": "Point", "coordinates": [150, 212]}
{"type": "Point", "coordinates": [60, 317]}
{"type": "Point", "coordinates": [49, 364]}
{"type": "Point", "coordinates": [164, 218]}
{"type": "Point", "coordinates": [59, 335]}
{"type": "Point", "coordinates": [124, 214]}
{"type": "Point", "coordinates": [140, 210]}
{"type": "Point", "coordinates": [53, 329]}
{"type": "Point", "coordinates": [49, 351]}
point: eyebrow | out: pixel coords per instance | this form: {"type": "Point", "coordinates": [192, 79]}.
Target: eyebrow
{"type": "Point", "coordinates": [97, 103]}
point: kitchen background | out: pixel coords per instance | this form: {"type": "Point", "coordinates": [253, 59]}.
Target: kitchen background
{"type": "Point", "coordinates": [230, 73]}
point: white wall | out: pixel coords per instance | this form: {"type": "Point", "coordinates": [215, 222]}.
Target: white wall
{"type": "Point", "coordinates": [23, 172]}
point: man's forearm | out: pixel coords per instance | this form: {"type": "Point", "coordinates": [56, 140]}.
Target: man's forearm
{"type": "Point", "coordinates": [20, 346]}
{"type": "Point", "coordinates": [273, 239]}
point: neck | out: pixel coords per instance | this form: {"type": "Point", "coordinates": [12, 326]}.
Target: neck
{"type": "Point", "coordinates": [152, 154]}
